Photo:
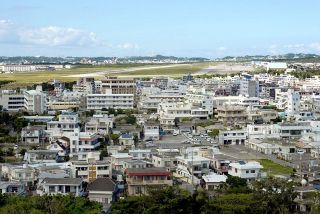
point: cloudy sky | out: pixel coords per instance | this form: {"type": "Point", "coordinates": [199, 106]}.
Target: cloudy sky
{"type": "Point", "coordinates": [207, 28]}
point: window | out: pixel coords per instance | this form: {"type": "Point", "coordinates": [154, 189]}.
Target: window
{"type": "Point", "coordinates": [253, 171]}
{"type": "Point", "coordinates": [247, 171]}
{"type": "Point", "coordinates": [138, 190]}
{"type": "Point", "coordinates": [51, 188]}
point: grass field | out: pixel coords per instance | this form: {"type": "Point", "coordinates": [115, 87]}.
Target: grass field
{"type": "Point", "coordinates": [273, 168]}
{"type": "Point", "coordinates": [172, 71]}
{"type": "Point", "coordinates": [30, 78]}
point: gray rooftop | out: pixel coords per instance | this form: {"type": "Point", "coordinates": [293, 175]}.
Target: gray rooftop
{"type": "Point", "coordinates": [102, 184]}
{"type": "Point", "coordinates": [68, 181]}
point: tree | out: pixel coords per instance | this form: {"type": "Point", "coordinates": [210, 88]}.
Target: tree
{"type": "Point", "coordinates": [114, 138]}
{"type": "Point", "coordinates": [167, 200]}
{"type": "Point", "coordinates": [214, 133]}
{"type": "Point", "coordinates": [185, 119]}
{"type": "Point", "coordinates": [131, 119]}
{"type": "Point", "coordinates": [277, 195]}
{"type": "Point", "coordinates": [57, 204]}
{"type": "Point", "coordinates": [103, 153]}
{"type": "Point", "coordinates": [236, 185]}
{"type": "Point", "coordinates": [22, 152]}
{"type": "Point", "coordinates": [135, 139]}
{"type": "Point", "coordinates": [19, 123]}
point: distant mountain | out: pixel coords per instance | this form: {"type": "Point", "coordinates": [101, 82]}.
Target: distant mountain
{"type": "Point", "coordinates": [281, 57]}
{"type": "Point", "coordinates": [89, 60]}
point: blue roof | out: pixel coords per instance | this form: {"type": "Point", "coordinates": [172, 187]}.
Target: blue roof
{"type": "Point", "coordinates": [126, 136]}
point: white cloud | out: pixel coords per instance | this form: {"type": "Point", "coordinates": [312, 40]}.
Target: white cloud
{"type": "Point", "coordinates": [315, 46]}
{"type": "Point", "coordinates": [273, 49]}
{"type": "Point", "coordinates": [128, 45]}
{"type": "Point", "coordinates": [57, 36]}
{"type": "Point", "coordinates": [295, 46]}
{"type": "Point", "coordinates": [221, 48]}
{"type": "Point", "coordinates": [7, 29]}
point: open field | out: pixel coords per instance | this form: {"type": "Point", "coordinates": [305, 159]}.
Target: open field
{"type": "Point", "coordinates": [273, 168]}
{"type": "Point", "coordinates": [29, 78]}
{"type": "Point", "coordinates": [131, 70]}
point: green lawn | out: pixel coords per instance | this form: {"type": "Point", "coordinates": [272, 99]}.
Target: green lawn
{"type": "Point", "coordinates": [10, 159]}
{"type": "Point", "coordinates": [273, 168]}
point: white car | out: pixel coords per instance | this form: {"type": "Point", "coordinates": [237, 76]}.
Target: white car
{"type": "Point", "coordinates": [174, 134]}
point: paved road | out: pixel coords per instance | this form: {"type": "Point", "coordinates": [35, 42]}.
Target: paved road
{"type": "Point", "coordinates": [125, 70]}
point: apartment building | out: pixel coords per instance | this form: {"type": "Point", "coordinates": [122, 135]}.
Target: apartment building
{"type": "Point", "coordinates": [82, 143]}
{"type": "Point", "coordinates": [167, 111]}
{"type": "Point", "coordinates": [152, 101]}
{"type": "Point", "coordinates": [118, 85]}
{"type": "Point", "coordinates": [249, 87]}
{"type": "Point", "coordinates": [33, 134]}
{"type": "Point", "coordinates": [84, 85]}
{"type": "Point", "coordinates": [192, 167]}
{"type": "Point", "coordinates": [140, 180]}
{"type": "Point", "coordinates": [90, 170]}
{"type": "Point", "coordinates": [67, 122]}
{"type": "Point", "coordinates": [233, 137]}
{"type": "Point", "coordinates": [35, 100]}
{"type": "Point", "coordinates": [11, 100]}
{"type": "Point", "coordinates": [18, 68]}
{"type": "Point", "coordinates": [62, 105]}
{"type": "Point", "coordinates": [231, 115]}
{"type": "Point", "coordinates": [109, 100]}
{"type": "Point", "coordinates": [100, 124]}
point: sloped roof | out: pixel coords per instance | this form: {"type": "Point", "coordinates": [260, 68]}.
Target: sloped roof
{"type": "Point", "coordinates": [102, 184]}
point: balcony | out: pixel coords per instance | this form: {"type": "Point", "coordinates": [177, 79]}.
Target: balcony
{"type": "Point", "coordinates": [148, 182]}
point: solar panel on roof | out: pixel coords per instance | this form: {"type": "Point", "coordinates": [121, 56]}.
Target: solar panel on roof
{"type": "Point", "coordinates": [242, 162]}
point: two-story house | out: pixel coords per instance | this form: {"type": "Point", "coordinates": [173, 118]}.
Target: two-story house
{"type": "Point", "coordinates": [140, 180]}
{"type": "Point", "coordinates": [248, 170]}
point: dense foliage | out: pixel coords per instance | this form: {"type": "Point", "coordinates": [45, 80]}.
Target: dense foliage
{"type": "Point", "coordinates": [47, 204]}
{"type": "Point", "coordinates": [267, 196]}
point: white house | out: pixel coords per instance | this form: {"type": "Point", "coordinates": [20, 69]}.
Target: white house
{"type": "Point", "coordinates": [53, 186]}
{"type": "Point", "coordinates": [233, 137]}
{"type": "Point", "coordinates": [117, 160]}
{"type": "Point", "coordinates": [213, 181]}
{"type": "Point", "coordinates": [126, 140]}
{"type": "Point", "coordinates": [248, 170]}
{"type": "Point", "coordinates": [41, 156]}
{"type": "Point", "coordinates": [151, 130]}
{"type": "Point", "coordinates": [140, 153]}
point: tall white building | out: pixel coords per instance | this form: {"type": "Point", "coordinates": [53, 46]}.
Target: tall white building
{"type": "Point", "coordinates": [293, 103]}
{"type": "Point", "coordinates": [35, 100]}
{"type": "Point", "coordinates": [249, 87]}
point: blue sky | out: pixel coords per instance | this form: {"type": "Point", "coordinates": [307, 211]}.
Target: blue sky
{"type": "Point", "coordinates": [207, 28]}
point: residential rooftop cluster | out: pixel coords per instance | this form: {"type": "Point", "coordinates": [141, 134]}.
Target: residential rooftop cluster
{"type": "Point", "coordinates": [121, 136]}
